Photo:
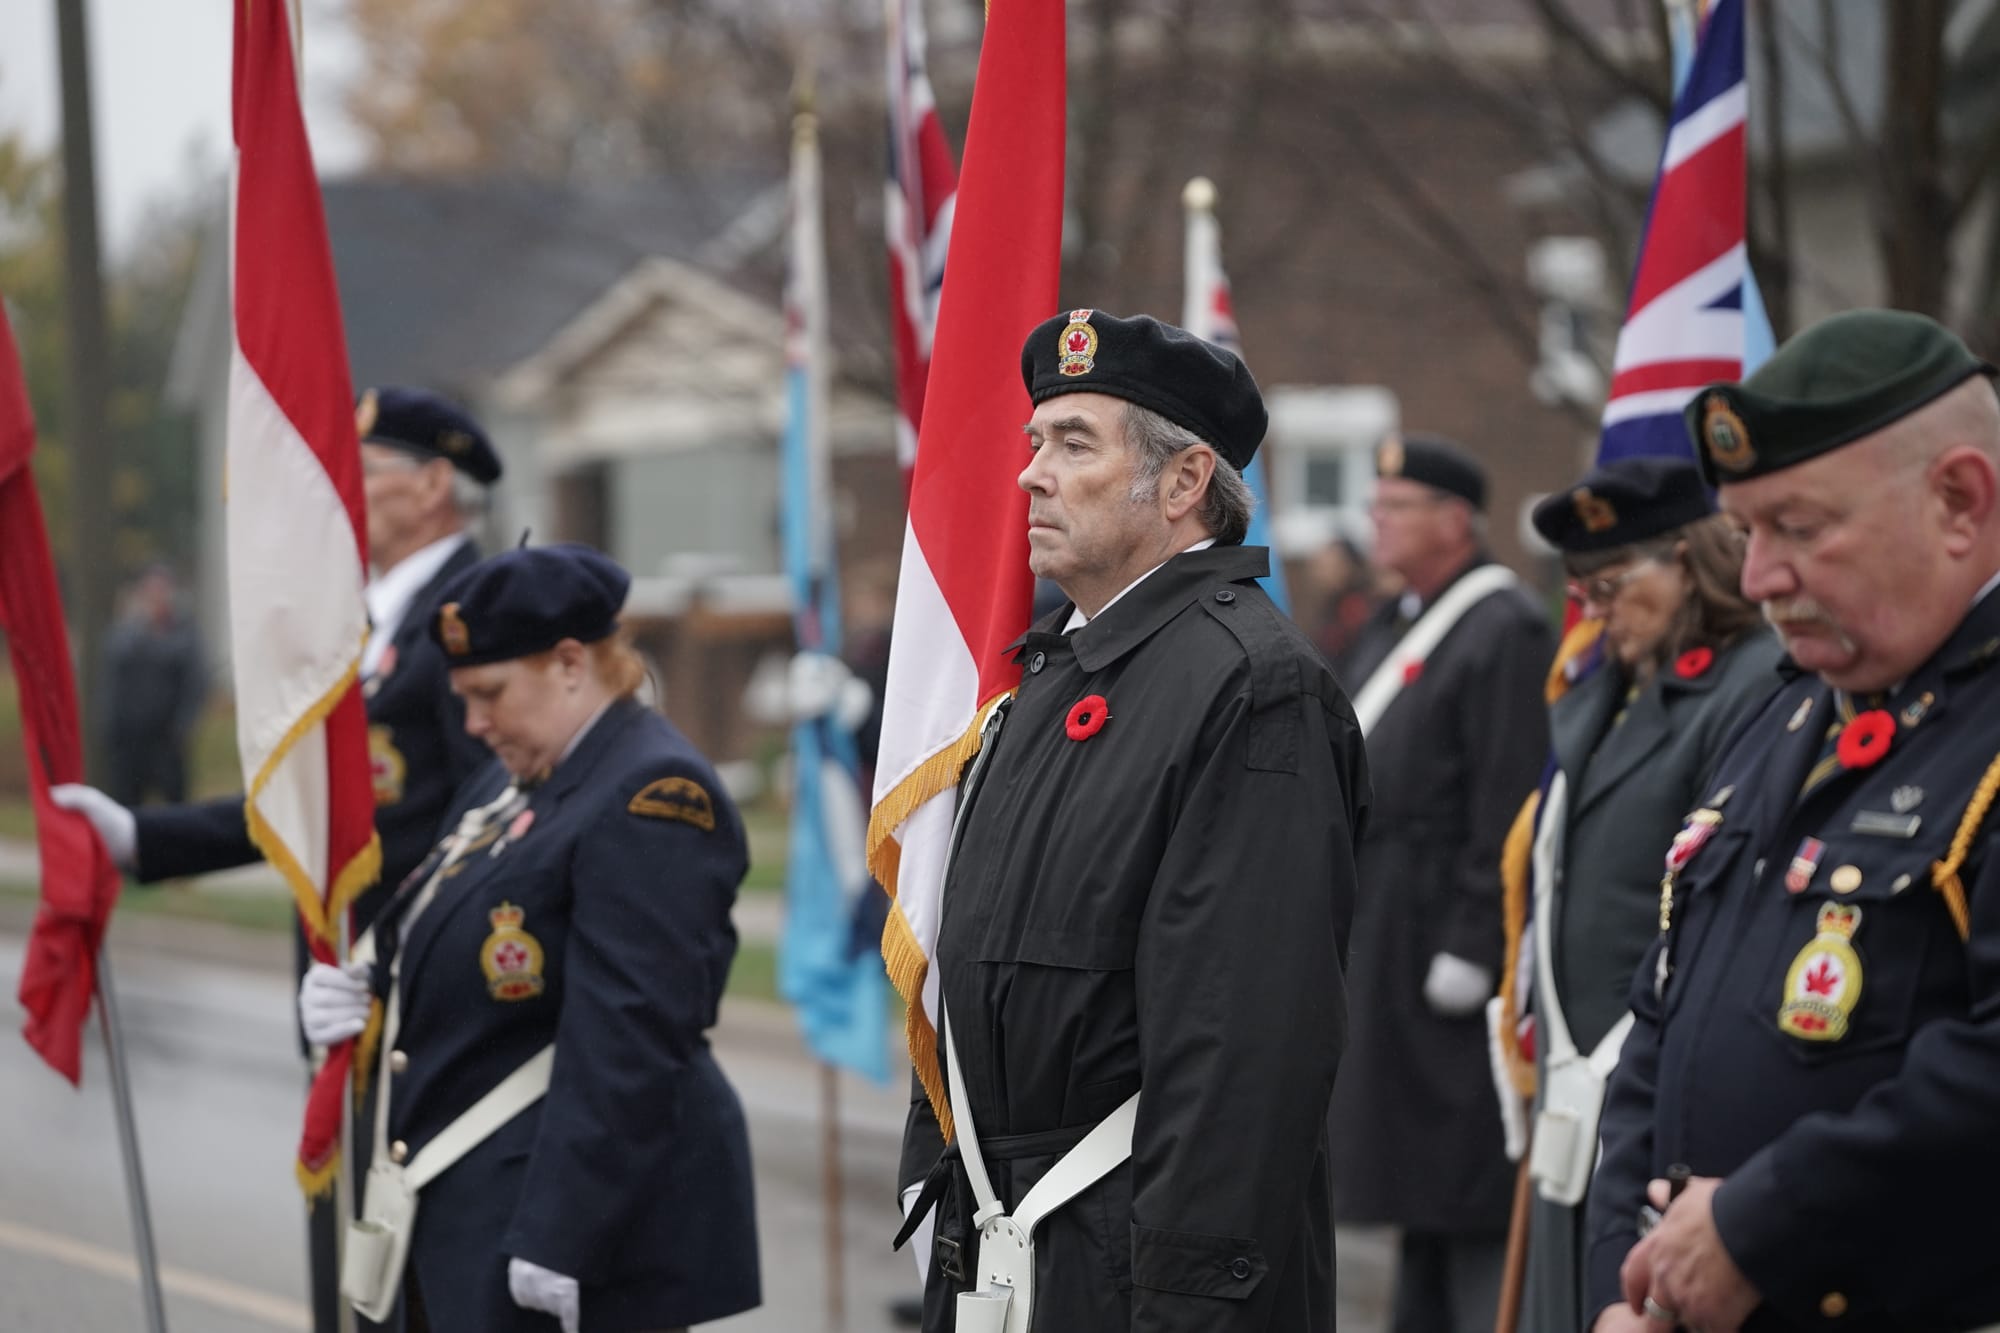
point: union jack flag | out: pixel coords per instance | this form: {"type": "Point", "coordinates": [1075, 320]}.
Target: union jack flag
{"type": "Point", "coordinates": [1694, 315]}
{"type": "Point", "coordinates": [922, 189]}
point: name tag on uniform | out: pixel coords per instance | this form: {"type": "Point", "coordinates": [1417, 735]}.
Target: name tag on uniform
{"type": "Point", "coordinates": [1882, 824]}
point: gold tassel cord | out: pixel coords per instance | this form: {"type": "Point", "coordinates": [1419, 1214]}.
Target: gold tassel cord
{"type": "Point", "coordinates": [365, 1048]}
{"type": "Point", "coordinates": [1575, 644]}
{"type": "Point", "coordinates": [1945, 874]}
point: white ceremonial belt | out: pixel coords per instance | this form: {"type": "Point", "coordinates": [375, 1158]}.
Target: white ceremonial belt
{"type": "Point", "coordinates": [1004, 1299]}
{"type": "Point", "coordinates": [1565, 1147]}
{"type": "Point", "coordinates": [1388, 679]}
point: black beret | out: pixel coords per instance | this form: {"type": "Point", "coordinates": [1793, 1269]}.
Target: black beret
{"type": "Point", "coordinates": [1623, 502]}
{"type": "Point", "coordinates": [1437, 463]}
{"type": "Point", "coordinates": [428, 425]}
{"type": "Point", "coordinates": [1191, 382]}
{"type": "Point", "coordinates": [1841, 379]}
{"type": "Point", "coordinates": [527, 601]}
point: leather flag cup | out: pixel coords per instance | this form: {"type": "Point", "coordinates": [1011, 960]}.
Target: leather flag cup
{"type": "Point", "coordinates": [965, 590]}
{"type": "Point", "coordinates": [296, 540]}
{"type": "Point", "coordinates": [79, 882]}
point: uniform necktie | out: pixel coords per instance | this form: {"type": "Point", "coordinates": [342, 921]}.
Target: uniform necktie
{"type": "Point", "coordinates": [1828, 765]}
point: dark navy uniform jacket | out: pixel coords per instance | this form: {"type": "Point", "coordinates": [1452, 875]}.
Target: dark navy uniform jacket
{"type": "Point", "coordinates": [1824, 1040]}
{"type": "Point", "coordinates": [416, 742]}
{"type": "Point", "coordinates": [598, 920]}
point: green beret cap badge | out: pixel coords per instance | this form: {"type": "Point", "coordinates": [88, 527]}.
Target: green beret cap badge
{"type": "Point", "coordinates": [1727, 438]}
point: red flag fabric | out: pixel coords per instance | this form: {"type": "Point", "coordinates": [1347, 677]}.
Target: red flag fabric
{"type": "Point", "coordinates": [965, 590]}
{"type": "Point", "coordinates": [296, 535]}
{"type": "Point", "coordinates": [79, 882]}
{"type": "Point", "coordinates": [923, 186]}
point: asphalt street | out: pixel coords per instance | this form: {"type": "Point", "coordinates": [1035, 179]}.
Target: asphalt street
{"type": "Point", "coordinates": [219, 1087]}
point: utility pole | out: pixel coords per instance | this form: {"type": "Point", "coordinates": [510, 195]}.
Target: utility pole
{"type": "Point", "coordinates": [89, 447]}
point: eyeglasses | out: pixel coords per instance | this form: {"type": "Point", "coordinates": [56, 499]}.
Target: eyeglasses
{"type": "Point", "coordinates": [1602, 589]}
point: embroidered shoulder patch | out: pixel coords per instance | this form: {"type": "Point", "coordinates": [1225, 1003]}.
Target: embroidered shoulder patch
{"type": "Point", "coordinates": [675, 798]}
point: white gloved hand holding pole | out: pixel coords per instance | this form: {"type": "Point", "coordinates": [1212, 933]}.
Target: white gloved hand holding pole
{"type": "Point", "coordinates": [1455, 988]}
{"type": "Point", "coordinates": [536, 1288]}
{"type": "Point", "coordinates": [113, 822]}
{"type": "Point", "coordinates": [333, 1002]}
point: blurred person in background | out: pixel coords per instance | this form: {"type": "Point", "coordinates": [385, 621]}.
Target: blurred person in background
{"type": "Point", "coordinates": [1681, 657]}
{"type": "Point", "coordinates": [563, 949]}
{"type": "Point", "coordinates": [1340, 574]}
{"type": "Point", "coordinates": [154, 684]}
{"type": "Point", "coordinates": [1447, 685]}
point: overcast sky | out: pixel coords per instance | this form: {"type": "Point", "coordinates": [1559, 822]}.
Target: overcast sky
{"type": "Point", "coordinates": [160, 93]}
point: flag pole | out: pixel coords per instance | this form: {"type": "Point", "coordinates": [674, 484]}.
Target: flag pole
{"type": "Point", "coordinates": [128, 1149]}
{"type": "Point", "coordinates": [836, 1245]}
{"type": "Point", "coordinates": [343, 1176]}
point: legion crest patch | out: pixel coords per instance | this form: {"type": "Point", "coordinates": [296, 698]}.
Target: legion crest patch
{"type": "Point", "coordinates": [1594, 511]}
{"type": "Point", "coordinates": [683, 799]}
{"type": "Point", "coordinates": [1727, 438]}
{"type": "Point", "coordinates": [1824, 982]}
{"type": "Point", "coordinates": [1076, 345]}
{"type": "Point", "coordinates": [387, 768]}
{"type": "Point", "coordinates": [452, 629]}
{"type": "Point", "coordinates": [511, 957]}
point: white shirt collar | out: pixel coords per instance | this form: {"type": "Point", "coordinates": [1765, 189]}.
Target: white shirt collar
{"type": "Point", "coordinates": [1986, 587]}
{"type": "Point", "coordinates": [390, 593]}
{"type": "Point", "coordinates": [583, 731]}
{"type": "Point", "coordinates": [1077, 618]}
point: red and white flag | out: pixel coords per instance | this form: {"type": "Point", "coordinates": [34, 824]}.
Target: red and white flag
{"type": "Point", "coordinates": [965, 590]}
{"type": "Point", "coordinates": [922, 192]}
{"type": "Point", "coordinates": [296, 538]}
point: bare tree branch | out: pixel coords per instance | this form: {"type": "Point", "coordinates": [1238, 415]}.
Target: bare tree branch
{"type": "Point", "coordinates": [1565, 24]}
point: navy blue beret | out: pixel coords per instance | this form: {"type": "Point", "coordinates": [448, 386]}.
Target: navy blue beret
{"type": "Point", "coordinates": [527, 601]}
{"type": "Point", "coordinates": [1193, 383]}
{"type": "Point", "coordinates": [1623, 502]}
{"type": "Point", "coordinates": [428, 425]}
{"type": "Point", "coordinates": [1436, 462]}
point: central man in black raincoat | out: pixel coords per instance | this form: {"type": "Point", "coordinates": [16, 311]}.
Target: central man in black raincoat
{"type": "Point", "coordinates": [1155, 875]}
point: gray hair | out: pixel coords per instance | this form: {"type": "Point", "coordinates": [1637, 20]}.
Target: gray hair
{"type": "Point", "coordinates": [1225, 509]}
{"type": "Point", "coordinates": [468, 497]}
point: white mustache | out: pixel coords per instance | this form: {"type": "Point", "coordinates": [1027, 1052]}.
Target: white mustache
{"type": "Point", "coordinates": [1796, 610]}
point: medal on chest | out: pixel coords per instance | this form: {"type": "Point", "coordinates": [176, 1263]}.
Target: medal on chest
{"type": "Point", "coordinates": [511, 957]}
{"type": "Point", "coordinates": [1694, 835]}
{"type": "Point", "coordinates": [1824, 982]}
{"type": "Point", "coordinates": [386, 766]}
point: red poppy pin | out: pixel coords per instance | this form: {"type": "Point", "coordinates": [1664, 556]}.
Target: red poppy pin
{"type": "Point", "coordinates": [1411, 670]}
{"type": "Point", "coordinates": [1694, 662]}
{"type": "Point", "coordinates": [1866, 739]}
{"type": "Point", "coordinates": [1087, 717]}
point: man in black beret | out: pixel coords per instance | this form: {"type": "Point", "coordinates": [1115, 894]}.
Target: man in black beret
{"type": "Point", "coordinates": [1146, 915]}
{"type": "Point", "coordinates": [1448, 690]}
{"type": "Point", "coordinates": [425, 466]}
{"type": "Point", "coordinates": [1812, 1079]}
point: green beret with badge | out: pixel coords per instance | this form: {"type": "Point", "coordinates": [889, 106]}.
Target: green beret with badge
{"type": "Point", "coordinates": [1840, 380]}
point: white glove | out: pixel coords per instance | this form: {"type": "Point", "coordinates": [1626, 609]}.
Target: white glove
{"type": "Point", "coordinates": [1455, 988]}
{"type": "Point", "coordinates": [333, 1002]}
{"type": "Point", "coordinates": [113, 822]}
{"type": "Point", "coordinates": [536, 1288]}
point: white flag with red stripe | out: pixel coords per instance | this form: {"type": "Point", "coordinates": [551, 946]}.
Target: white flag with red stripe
{"type": "Point", "coordinates": [965, 590]}
{"type": "Point", "coordinates": [296, 536]}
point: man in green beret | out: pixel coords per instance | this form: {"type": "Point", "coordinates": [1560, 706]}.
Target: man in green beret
{"type": "Point", "coordinates": [1800, 1132]}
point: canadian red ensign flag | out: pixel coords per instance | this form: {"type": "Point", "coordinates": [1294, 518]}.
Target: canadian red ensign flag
{"type": "Point", "coordinates": [297, 549]}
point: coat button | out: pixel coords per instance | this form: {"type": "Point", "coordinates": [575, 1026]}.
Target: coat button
{"type": "Point", "coordinates": [399, 1152]}
{"type": "Point", "coordinates": [1833, 1305]}
{"type": "Point", "coordinates": [1226, 596]}
{"type": "Point", "coordinates": [1238, 1268]}
{"type": "Point", "coordinates": [398, 1061]}
{"type": "Point", "coordinates": [1038, 661]}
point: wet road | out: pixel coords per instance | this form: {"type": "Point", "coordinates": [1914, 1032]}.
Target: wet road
{"type": "Point", "coordinates": [219, 1087]}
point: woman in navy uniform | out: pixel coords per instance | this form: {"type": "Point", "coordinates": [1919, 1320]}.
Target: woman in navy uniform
{"type": "Point", "coordinates": [1680, 658]}
{"type": "Point", "coordinates": [583, 902]}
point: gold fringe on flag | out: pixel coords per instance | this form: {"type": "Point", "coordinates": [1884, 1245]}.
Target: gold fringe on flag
{"type": "Point", "coordinates": [1515, 856]}
{"type": "Point", "coordinates": [901, 953]}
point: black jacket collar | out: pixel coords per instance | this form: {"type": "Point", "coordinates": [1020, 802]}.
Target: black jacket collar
{"type": "Point", "coordinates": [1140, 613]}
